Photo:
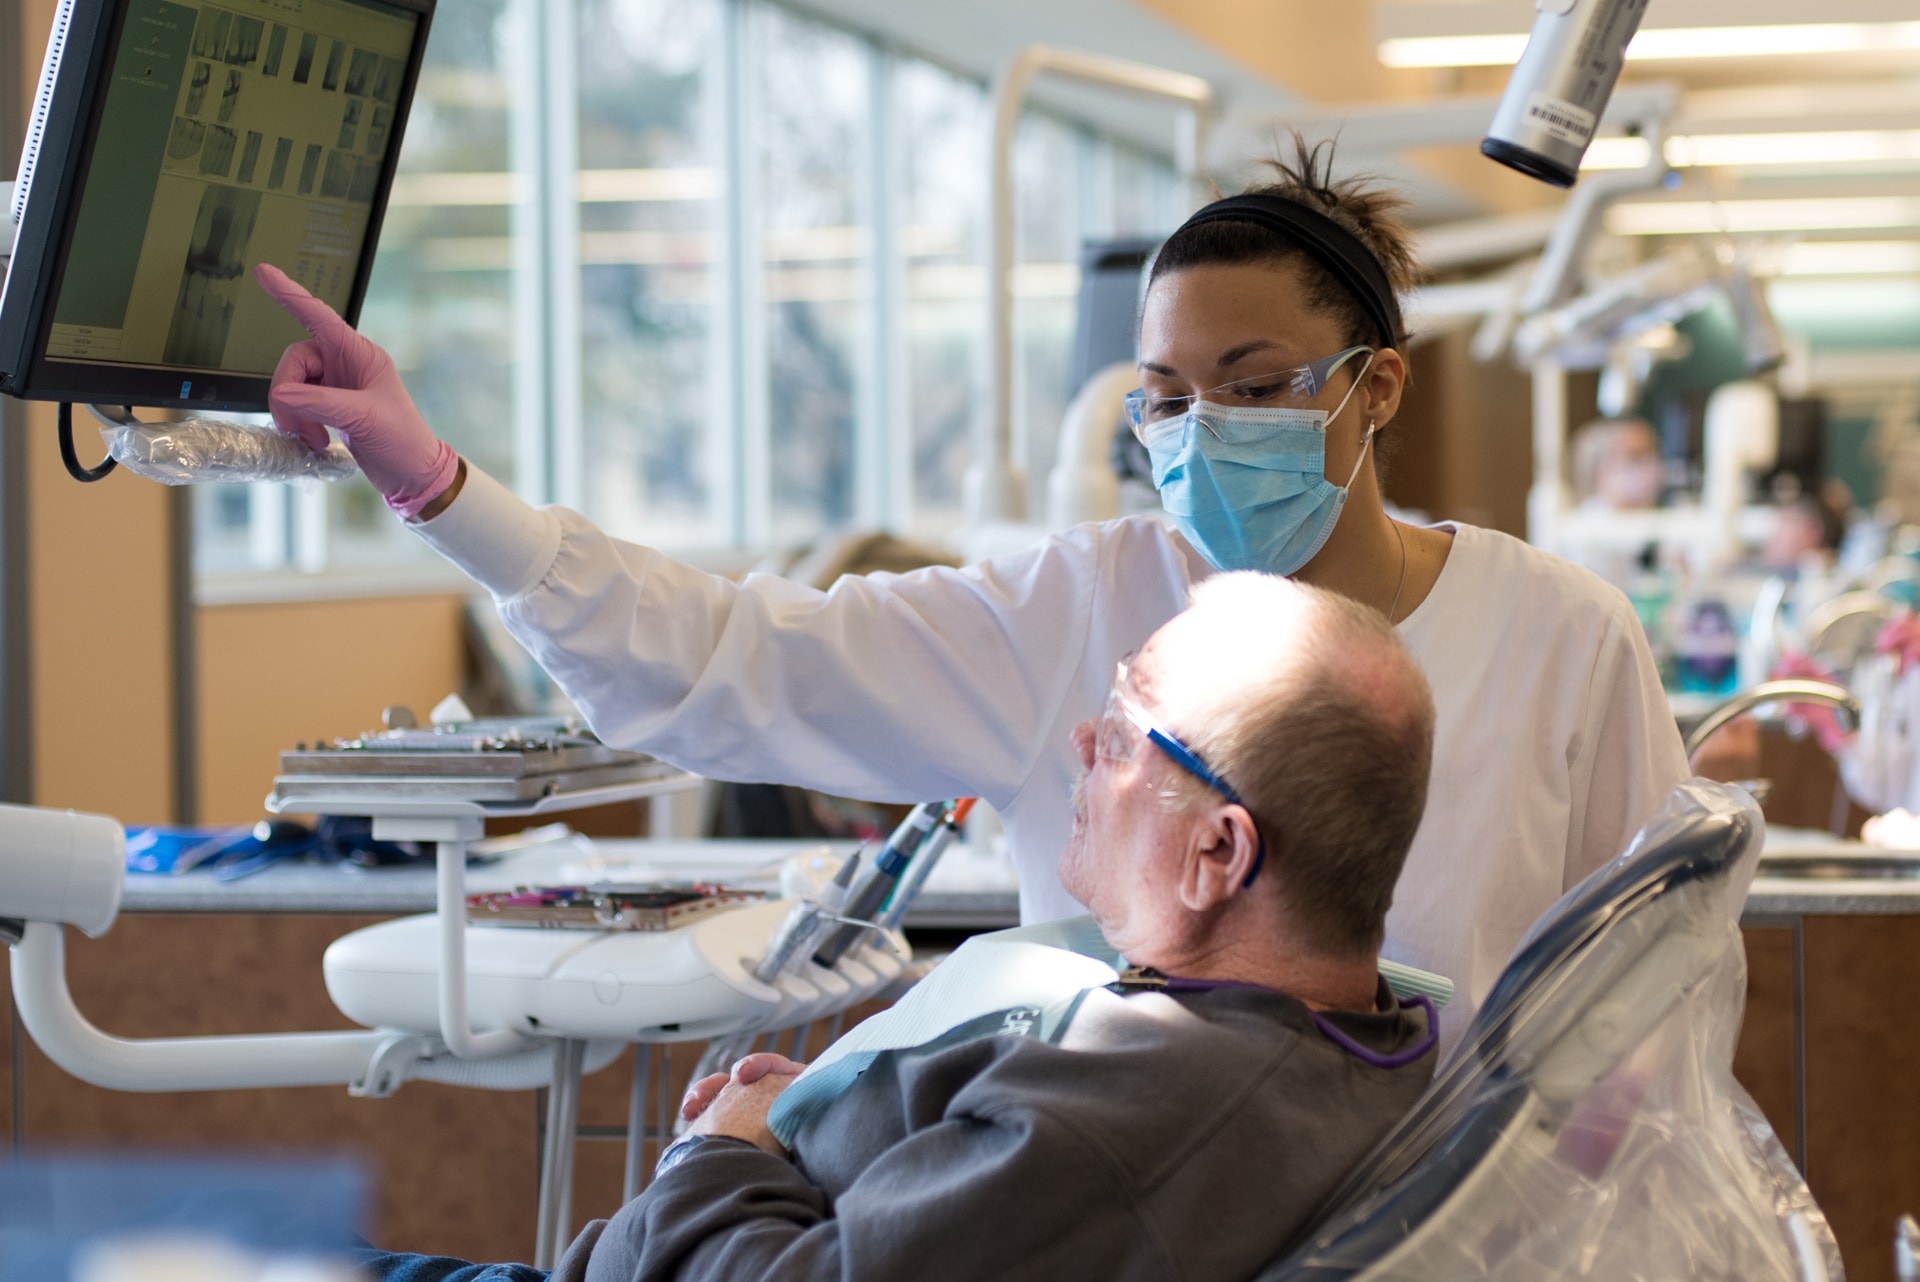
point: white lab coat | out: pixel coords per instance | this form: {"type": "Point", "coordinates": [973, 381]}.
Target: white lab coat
{"type": "Point", "coordinates": [1553, 741]}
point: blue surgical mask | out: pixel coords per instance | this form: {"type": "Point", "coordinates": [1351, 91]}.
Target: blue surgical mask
{"type": "Point", "coordinates": [1247, 485]}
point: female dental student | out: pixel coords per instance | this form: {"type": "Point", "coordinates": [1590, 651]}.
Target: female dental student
{"type": "Point", "coordinates": [1269, 357]}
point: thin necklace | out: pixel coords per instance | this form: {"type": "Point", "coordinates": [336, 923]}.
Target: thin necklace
{"type": "Point", "coordinates": [1394, 609]}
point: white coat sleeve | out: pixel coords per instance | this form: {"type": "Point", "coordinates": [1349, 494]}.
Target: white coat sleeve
{"type": "Point", "coordinates": [1627, 756]}
{"type": "Point", "coordinates": [887, 687]}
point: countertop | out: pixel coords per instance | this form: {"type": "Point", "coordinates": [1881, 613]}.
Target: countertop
{"type": "Point", "coordinates": [1777, 897]}
{"type": "Point", "coordinates": [967, 891]}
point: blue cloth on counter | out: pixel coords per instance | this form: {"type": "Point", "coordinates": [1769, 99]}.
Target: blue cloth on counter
{"type": "Point", "coordinates": [179, 849]}
{"type": "Point", "coordinates": [232, 853]}
{"type": "Point", "coordinates": [389, 1266]}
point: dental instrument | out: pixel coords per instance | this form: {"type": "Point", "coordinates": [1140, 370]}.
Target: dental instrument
{"type": "Point", "coordinates": [908, 888]}
{"type": "Point", "coordinates": [866, 900]}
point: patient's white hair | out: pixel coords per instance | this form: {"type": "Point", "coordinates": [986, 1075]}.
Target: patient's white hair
{"type": "Point", "coordinates": [1306, 704]}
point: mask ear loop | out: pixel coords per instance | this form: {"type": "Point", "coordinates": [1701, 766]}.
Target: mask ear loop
{"type": "Point", "coordinates": [1366, 442]}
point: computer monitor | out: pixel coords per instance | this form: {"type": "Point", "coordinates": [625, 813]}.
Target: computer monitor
{"type": "Point", "coordinates": [173, 146]}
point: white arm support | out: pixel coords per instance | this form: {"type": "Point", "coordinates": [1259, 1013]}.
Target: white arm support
{"type": "Point", "coordinates": [371, 1062]}
{"type": "Point", "coordinates": [61, 866]}
{"type": "Point", "coordinates": [456, 1029]}
{"type": "Point", "coordinates": [169, 1063]}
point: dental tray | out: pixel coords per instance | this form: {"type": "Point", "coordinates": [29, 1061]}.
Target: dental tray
{"type": "Point", "coordinates": [644, 906]}
{"type": "Point", "coordinates": [489, 759]}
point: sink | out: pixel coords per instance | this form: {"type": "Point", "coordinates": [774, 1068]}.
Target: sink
{"type": "Point", "coordinates": [1878, 866]}
{"type": "Point", "coordinates": [1806, 854]}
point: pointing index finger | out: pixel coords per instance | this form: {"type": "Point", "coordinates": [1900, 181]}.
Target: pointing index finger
{"type": "Point", "coordinates": [319, 320]}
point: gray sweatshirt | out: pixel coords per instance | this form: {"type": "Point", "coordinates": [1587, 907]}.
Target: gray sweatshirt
{"type": "Point", "coordinates": [1166, 1135]}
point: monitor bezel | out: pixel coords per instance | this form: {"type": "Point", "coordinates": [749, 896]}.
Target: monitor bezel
{"type": "Point", "coordinates": [41, 243]}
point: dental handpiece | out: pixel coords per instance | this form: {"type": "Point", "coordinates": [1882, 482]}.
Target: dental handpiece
{"type": "Point", "coordinates": [909, 886]}
{"type": "Point", "coordinates": [871, 893]}
{"type": "Point", "coordinates": [799, 928]}
{"type": "Point", "coordinates": [796, 930]}
{"type": "Point", "coordinates": [804, 923]}
{"type": "Point", "coordinates": [836, 892]}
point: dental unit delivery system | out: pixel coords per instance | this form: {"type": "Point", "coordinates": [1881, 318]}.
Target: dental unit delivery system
{"type": "Point", "coordinates": [437, 1006]}
{"type": "Point", "coordinates": [486, 1006]}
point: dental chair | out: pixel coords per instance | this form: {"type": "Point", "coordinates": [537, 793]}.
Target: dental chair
{"type": "Point", "coordinates": [1589, 1125]}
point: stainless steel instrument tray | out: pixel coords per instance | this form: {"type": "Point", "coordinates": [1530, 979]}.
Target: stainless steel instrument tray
{"type": "Point", "coordinates": [497, 763]}
{"type": "Point", "coordinates": [469, 787]}
{"type": "Point", "coordinates": [488, 759]}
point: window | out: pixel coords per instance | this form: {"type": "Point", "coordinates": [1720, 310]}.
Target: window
{"type": "Point", "coordinates": [442, 295]}
{"type": "Point", "coordinates": [940, 157]}
{"type": "Point", "coordinates": [810, 123]}
{"type": "Point", "coordinates": [653, 271]}
{"type": "Point", "coordinates": [709, 270]}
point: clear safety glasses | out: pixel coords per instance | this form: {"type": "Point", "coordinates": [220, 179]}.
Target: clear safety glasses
{"type": "Point", "coordinates": [1124, 724]}
{"type": "Point", "coordinates": [1284, 389]}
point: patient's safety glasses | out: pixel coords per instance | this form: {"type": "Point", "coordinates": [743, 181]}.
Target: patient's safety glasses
{"type": "Point", "coordinates": [1284, 389]}
{"type": "Point", "coordinates": [1124, 724]}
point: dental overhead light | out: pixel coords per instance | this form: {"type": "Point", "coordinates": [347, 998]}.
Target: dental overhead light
{"type": "Point", "coordinates": [1585, 332]}
{"type": "Point", "coordinates": [1560, 86]}
{"type": "Point", "coordinates": [1630, 316]}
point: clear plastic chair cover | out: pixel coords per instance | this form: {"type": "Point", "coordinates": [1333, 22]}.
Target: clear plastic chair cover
{"type": "Point", "coordinates": [1589, 1124]}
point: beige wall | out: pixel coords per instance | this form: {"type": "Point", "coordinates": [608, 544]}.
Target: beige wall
{"type": "Point", "coordinates": [1465, 438]}
{"type": "Point", "coordinates": [100, 654]}
{"type": "Point", "coordinates": [98, 642]}
{"type": "Point", "coordinates": [272, 676]}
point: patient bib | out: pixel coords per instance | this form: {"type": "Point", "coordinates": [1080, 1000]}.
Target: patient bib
{"type": "Point", "coordinates": [1032, 975]}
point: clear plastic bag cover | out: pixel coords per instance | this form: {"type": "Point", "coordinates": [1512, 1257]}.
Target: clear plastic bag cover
{"type": "Point", "coordinates": [205, 449]}
{"type": "Point", "coordinates": [1589, 1124]}
{"type": "Point", "coordinates": [1878, 764]}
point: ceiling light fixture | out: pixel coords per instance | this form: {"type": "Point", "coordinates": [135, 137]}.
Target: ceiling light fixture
{"type": "Point", "coordinates": [1660, 44]}
{"type": "Point", "coordinates": [1831, 147]}
{"type": "Point", "coordinates": [1851, 258]}
{"type": "Point", "coordinates": [1738, 217]}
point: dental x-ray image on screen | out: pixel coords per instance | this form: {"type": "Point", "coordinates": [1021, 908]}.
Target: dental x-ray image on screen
{"type": "Point", "coordinates": [210, 279]}
{"type": "Point", "coordinates": [181, 145]}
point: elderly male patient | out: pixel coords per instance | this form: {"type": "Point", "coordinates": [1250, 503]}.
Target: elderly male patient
{"type": "Point", "coordinates": [1249, 796]}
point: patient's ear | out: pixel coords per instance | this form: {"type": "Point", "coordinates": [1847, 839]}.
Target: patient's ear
{"type": "Point", "coordinates": [1224, 847]}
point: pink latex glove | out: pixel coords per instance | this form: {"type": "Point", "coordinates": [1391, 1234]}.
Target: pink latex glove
{"type": "Point", "coordinates": [340, 379]}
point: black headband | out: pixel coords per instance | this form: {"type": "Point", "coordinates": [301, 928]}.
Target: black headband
{"type": "Point", "coordinates": [1326, 242]}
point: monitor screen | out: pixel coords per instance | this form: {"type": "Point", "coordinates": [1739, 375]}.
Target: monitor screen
{"type": "Point", "coordinates": [197, 141]}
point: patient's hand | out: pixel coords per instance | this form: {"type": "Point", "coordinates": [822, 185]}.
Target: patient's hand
{"type": "Point", "coordinates": [746, 1072]}
{"type": "Point", "coordinates": [737, 1104]}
